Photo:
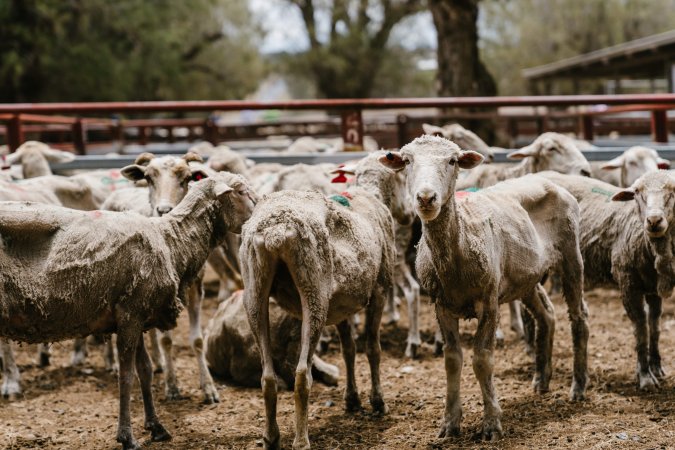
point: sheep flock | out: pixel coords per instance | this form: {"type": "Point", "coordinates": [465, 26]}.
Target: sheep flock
{"type": "Point", "coordinates": [279, 267]}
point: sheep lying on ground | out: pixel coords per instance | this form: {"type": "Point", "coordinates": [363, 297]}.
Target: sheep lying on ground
{"type": "Point", "coordinates": [35, 157]}
{"type": "Point", "coordinates": [630, 246]}
{"type": "Point", "coordinates": [60, 280]}
{"type": "Point", "coordinates": [466, 139]}
{"type": "Point", "coordinates": [633, 163]}
{"type": "Point", "coordinates": [168, 179]}
{"type": "Point", "coordinates": [491, 247]}
{"type": "Point", "coordinates": [232, 353]}
{"type": "Point", "coordinates": [322, 259]}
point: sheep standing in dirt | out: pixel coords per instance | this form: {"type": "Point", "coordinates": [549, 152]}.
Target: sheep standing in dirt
{"type": "Point", "coordinates": [631, 165]}
{"type": "Point", "coordinates": [629, 246]}
{"type": "Point", "coordinates": [323, 259]}
{"type": "Point", "coordinates": [35, 157]}
{"type": "Point", "coordinates": [60, 280]}
{"type": "Point", "coordinates": [232, 353]}
{"type": "Point", "coordinates": [491, 247]}
{"type": "Point", "coordinates": [168, 179]}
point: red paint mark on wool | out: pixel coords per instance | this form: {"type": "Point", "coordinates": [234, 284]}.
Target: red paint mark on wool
{"type": "Point", "coordinates": [347, 195]}
{"type": "Point", "coordinates": [96, 214]}
{"type": "Point", "coordinates": [462, 194]}
{"type": "Point", "coordinates": [340, 178]}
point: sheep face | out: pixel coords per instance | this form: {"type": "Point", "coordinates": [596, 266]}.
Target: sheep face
{"type": "Point", "coordinates": [635, 162]}
{"type": "Point", "coordinates": [654, 194]}
{"type": "Point", "coordinates": [554, 151]}
{"type": "Point", "coordinates": [167, 178]}
{"type": "Point", "coordinates": [465, 139]}
{"type": "Point", "coordinates": [236, 197]}
{"type": "Point", "coordinates": [431, 164]}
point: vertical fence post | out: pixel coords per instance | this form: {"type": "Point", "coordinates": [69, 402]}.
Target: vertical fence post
{"type": "Point", "coordinates": [14, 132]}
{"type": "Point", "coordinates": [211, 131]}
{"type": "Point", "coordinates": [659, 126]}
{"type": "Point", "coordinates": [587, 127]}
{"type": "Point", "coordinates": [79, 136]}
{"type": "Point", "coordinates": [352, 130]}
{"type": "Point", "coordinates": [402, 129]}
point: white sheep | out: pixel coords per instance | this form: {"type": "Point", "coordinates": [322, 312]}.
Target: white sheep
{"type": "Point", "coordinates": [491, 247]}
{"type": "Point", "coordinates": [629, 246]}
{"type": "Point", "coordinates": [466, 139]}
{"type": "Point", "coordinates": [632, 164]}
{"type": "Point", "coordinates": [35, 157]}
{"type": "Point", "coordinates": [323, 260]}
{"type": "Point", "coordinates": [67, 273]}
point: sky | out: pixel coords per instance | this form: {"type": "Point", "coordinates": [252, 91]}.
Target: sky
{"type": "Point", "coordinates": [286, 31]}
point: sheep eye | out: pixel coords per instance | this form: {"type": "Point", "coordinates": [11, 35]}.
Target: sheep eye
{"type": "Point", "coordinates": [243, 192]}
{"type": "Point", "coordinates": [453, 162]}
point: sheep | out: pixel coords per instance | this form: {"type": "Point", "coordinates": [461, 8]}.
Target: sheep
{"type": "Point", "coordinates": [322, 259]}
{"type": "Point", "coordinates": [231, 351]}
{"type": "Point", "coordinates": [550, 151]}
{"type": "Point", "coordinates": [629, 246]}
{"type": "Point", "coordinates": [309, 144]}
{"type": "Point", "coordinates": [168, 179]}
{"type": "Point", "coordinates": [222, 158]}
{"type": "Point", "coordinates": [466, 139]}
{"type": "Point", "coordinates": [60, 280]}
{"type": "Point", "coordinates": [632, 163]}
{"type": "Point", "coordinates": [35, 157]}
{"type": "Point", "coordinates": [491, 247]}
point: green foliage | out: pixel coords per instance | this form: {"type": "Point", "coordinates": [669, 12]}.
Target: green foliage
{"type": "Point", "coordinates": [517, 34]}
{"type": "Point", "coordinates": [101, 50]}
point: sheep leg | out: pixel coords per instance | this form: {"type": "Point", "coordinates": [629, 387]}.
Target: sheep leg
{"type": "Point", "coordinates": [110, 355]}
{"type": "Point", "coordinates": [516, 319]}
{"type": "Point", "coordinates": [412, 296]}
{"type": "Point", "coordinates": [438, 337]}
{"type": "Point", "coordinates": [256, 302]}
{"type": "Point", "coordinates": [634, 305]}
{"type": "Point", "coordinates": [155, 351]}
{"type": "Point", "coordinates": [324, 342]}
{"type": "Point", "coordinates": [577, 311]}
{"type": "Point", "coordinates": [528, 328]}
{"type": "Point", "coordinates": [195, 297]}
{"type": "Point", "coordinates": [11, 377]}
{"type": "Point", "coordinates": [171, 383]}
{"type": "Point", "coordinates": [483, 367]}
{"type": "Point", "coordinates": [127, 342]}
{"type": "Point", "coordinates": [541, 308]}
{"type": "Point", "coordinates": [144, 373]}
{"type": "Point", "coordinates": [43, 355]}
{"type": "Point", "coordinates": [221, 265]}
{"type": "Point", "coordinates": [391, 314]}
{"type": "Point", "coordinates": [452, 352]}
{"type": "Point", "coordinates": [352, 402]}
{"type": "Point", "coordinates": [373, 349]}
{"type": "Point", "coordinates": [655, 309]}
{"type": "Point", "coordinates": [79, 352]}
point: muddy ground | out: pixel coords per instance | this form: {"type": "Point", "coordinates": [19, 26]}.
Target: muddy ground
{"type": "Point", "coordinates": [64, 407]}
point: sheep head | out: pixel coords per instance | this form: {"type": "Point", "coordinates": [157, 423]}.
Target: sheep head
{"type": "Point", "coordinates": [554, 151]}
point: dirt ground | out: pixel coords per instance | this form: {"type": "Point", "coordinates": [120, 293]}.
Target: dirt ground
{"type": "Point", "coordinates": [64, 407]}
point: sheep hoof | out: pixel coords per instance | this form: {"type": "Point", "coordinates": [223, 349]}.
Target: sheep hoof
{"type": "Point", "coordinates": [658, 371]}
{"type": "Point", "coordinates": [11, 390]}
{"type": "Point", "coordinates": [272, 443]}
{"type": "Point", "coordinates": [352, 402]}
{"type": "Point", "coordinates": [173, 393]}
{"type": "Point", "coordinates": [411, 350]}
{"type": "Point", "coordinates": [540, 387]}
{"type": "Point", "coordinates": [127, 440]}
{"type": "Point", "coordinates": [43, 360]}
{"type": "Point", "coordinates": [499, 336]}
{"type": "Point", "coordinates": [301, 444]}
{"type": "Point", "coordinates": [648, 382]}
{"type": "Point", "coordinates": [449, 429]}
{"type": "Point", "coordinates": [211, 396]}
{"type": "Point", "coordinates": [438, 348]}
{"type": "Point", "coordinates": [78, 358]}
{"type": "Point", "coordinates": [492, 430]}
{"type": "Point", "coordinates": [159, 433]}
{"type": "Point", "coordinates": [578, 392]}
{"type": "Point", "coordinates": [379, 407]}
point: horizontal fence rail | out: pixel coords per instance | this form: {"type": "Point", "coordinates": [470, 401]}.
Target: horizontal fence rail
{"type": "Point", "coordinates": [595, 113]}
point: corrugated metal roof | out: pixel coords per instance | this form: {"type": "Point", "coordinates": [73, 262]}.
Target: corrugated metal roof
{"type": "Point", "coordinates": [603, 55]}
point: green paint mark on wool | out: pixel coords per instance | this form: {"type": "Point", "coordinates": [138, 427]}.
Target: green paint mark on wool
{"type": "Point", "coordinates": [601, 191]}
{"type": "Point", "coordinates": [471, 189]}
{"type": "Point", "coordinates": [341, 199]}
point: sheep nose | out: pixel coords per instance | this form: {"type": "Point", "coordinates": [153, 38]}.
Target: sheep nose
{"type": "Point", "coordinates": [654, 221]}
{"type": "Point", "coordinates": [426, 198]}
{"type": "Point", "coordinates": [585, 173]}
{"type": "Point", "coordinates": [163, 209]}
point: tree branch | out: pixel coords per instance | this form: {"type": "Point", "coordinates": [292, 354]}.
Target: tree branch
{"type": "Point", "coordinates": [197, 48]}
{"type": "Point", "coordinates": [307, 11]}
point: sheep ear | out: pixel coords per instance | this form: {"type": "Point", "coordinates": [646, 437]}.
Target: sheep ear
{"type": "Point", "coordinates": [57, 156]}
{"type": "Point", "coordinates": [432, 130]}
{"type": "Point", "coordinates": [624, 196]}
{"type": "Point", "coordinates": [468, 159]}
{"type": "Point", "coordinates": [524, 152]}
{"type": "Point", "coordinates": [133, 172]}
{"type": "Point", "coordinates": [198, 174]}
{"type": "Point", "coordinates": [392, 160]}
{"type": "Point", "coordinates": [663, 163]}
{"type": "Point", "coordinates": [615, 163]}
{"type": "Point", "coordinates": [13, 158]}
{"type": "Point", "coordinates": [221, 189]}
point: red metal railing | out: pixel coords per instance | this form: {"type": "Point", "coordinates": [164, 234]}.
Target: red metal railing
{"type": "Point", "coordinates": [352, 127]}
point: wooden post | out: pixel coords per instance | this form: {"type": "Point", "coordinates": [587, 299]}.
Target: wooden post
{"type": "Point", "coordinates": [79, 137]}
{"type": "Point", "coordinates": [659, 126]}
{"type": "Point", "coordinates": [170, 135]}
{"type": "Point", "coordinates": [352, 130]}
{"type": "Point", "coordinates": [14, 132]}
{"type": "Point", "coordinates": [587, 127]}
{"type": "Point", "coordinates": [402, 129]}
{"type": "Point", "coordinates": [211, 132]}
{"type": "Point", "coordinates": [142, 135]}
